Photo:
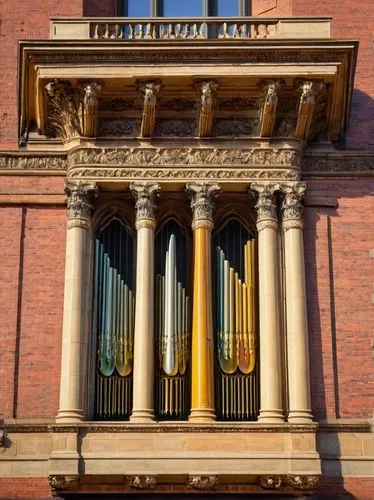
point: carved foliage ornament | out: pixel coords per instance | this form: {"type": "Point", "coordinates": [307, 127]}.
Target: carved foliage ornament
{"type": "Point", "coordinates": [270, 482]}
{"type": "Point", "coordinates": [266, 203]}
{"type": "Point", "coordinates": [304, 483]}
{"type": "Point", "coordinates": [80, 199]}
{"type": "Point", "coordinates": [63, 483]}
{"type": "Point", "coordinates": [141, 482]}
{"type": "Point", "coordinates": [202, 196]}
{"type": "Point", "coordinates": [292, 207]}
{"type": "Point", "coordinates": [203, 482]}
{"type": "Point", "coordinates": [145, 194]}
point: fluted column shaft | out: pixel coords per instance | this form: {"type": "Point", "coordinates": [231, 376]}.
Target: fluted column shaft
{"type": "Point", "coordinates": [143, 373]}
{"type": "Point", "coordinates": [202, 363]}
{"type": "Point", "coordinates": [74, 336]}
{"type": "Point", "coordinates": [271, 404]}
{"type": "Point", "coordinates": [296, 309]}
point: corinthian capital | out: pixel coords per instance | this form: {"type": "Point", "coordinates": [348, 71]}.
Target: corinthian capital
{"type": "Point", "coordinates": [81, 196]}
{"type": "Point", "coordinates": [202, 200]}
{"type": "Point", "coordinates": [266, 203]}
{"type": "Point", "coordinates": [292, 208]}
{"type": "Point", "coordinates": [145, 194]}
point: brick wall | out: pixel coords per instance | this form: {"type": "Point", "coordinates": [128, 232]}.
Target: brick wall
{"type": "Point", "coordinates": [340, 283]}
{"type": "Point", "coordinates": [24, 20]}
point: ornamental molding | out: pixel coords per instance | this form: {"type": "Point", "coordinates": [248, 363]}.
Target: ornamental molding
{"type": "Point", "coordinates": [203, 482]}
{"type": "Point", "coordinates": [141, 482]}
{"type": "Point", "coordinates": [59, 483]}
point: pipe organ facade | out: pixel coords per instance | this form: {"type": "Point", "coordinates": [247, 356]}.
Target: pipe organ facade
{"type": "Point", "coordinates": [185, 359]}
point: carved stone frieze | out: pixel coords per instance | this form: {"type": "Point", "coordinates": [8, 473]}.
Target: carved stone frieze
{"type": "Point", "coordinates": [259, 157]}
{"type": "Point", "coordinates": [145, 194]}
{"type": "Point", "coordinates": [149, 91]}
{"type": "Point", "coordinates": [167, 127]}
{"type": "Point", "coordinates": [270, 482]}
{"type": "Point", "coordinates": [177, 104]}
{"type": "Point", "coordinates": [207, 94]}
{"type": "Point", "coordinates": [119, 127]}
{"type": "Point", "coordinates": [203, 482]}
{"type": "Point", "coordinates": [59, 483]}
{"type": "Point", "coordinates": [266, 203]}
{"type": "Point", "coordinates": [235, 126]}
{"type": "Point", "coordinates": [292, 208]}
{"type": "Point", "coordinates": [350, 164]}
{"type": "Point", "coordinates": [269, 107]}
{"type": "Point", "coordinates": [202, 199]}
{"type": "Point", "coordinates": [143, 482]}
{"type": "Point", "coordinates": [81, 196]}
{"type": "Point", "coordinates": [237, 103]}
{"type": "Point", "coordinates": [303, 482]}
{"type": "Point", "coordinates": [116, 105]}
{"type": "Point", "coordinates": [32, 162]}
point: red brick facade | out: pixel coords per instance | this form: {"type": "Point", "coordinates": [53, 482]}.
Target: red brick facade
{"type": "Point", "coordinates": [339, 247]}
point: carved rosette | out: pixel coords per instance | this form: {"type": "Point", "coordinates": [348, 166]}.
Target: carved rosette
{"type": "Point", "coordinates": [141, 482]}
{"type": "Point", "coordinates": [270, 482]}
{"type": "Point", "coordinates": [202, 203]}
{"type": "Point", "coordinates": [59, 483]}
{"type": "Point", "coordinates": [80, 202]}
{"type": "Point", "coordinates": [145, 194]}
{"type": "Point", "coordinates": [292, 208]}
{"type": "Point", "coordinates": [203, 482]}
{"type": "Point", "coordinates": [304, 483]}
{"type": "Point", "coordinates": [266, 205]}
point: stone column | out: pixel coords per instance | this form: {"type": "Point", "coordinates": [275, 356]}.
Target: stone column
{"type": "Point", "coordinates": [202, 363]}
{"type": "Point", "coordinates": [74, 337]}
{"type": "Point", "coordinates": [296, 310]}
{"type": "Point", "coordinates": [144, 348]}
{"type": "Point", "coordinates": [271, 405]}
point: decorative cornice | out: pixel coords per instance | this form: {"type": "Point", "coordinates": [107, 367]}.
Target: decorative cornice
{"type": "Point", "coordinates": [203, 482]}
{"type": "Point", "coordinates": [202, 200]}
{"type": "Point", "coordinates": [145, 194]}
{"type": "Point", "coordinates": [80, 200]}
{"type": "Point", "coordinates": [59, 483]}
{"type": "Point", "coordinates": [144, 482]}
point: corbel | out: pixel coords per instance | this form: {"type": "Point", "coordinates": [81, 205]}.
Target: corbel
{"type": "Point", "coordinates": [207, 94]}
{"type": "Point", "coordinates": [308, 90]}
{"type": "Point", "coordinates": [148, 92]}
{"type": "Point", "coordinates": [269, 107]}
{"type": "Point", "coordinates": [89, 94]}
{"type": "Point", "coordinates": [62, 109]}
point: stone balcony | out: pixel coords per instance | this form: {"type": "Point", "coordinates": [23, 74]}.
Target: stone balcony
{"type": "Point", "coordinates": [213, 28]}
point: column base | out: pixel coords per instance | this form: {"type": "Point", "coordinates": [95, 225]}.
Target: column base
{"type": "Point", "coordinates": [271, 416]}
{"type": "Point", "coordinates": [300, 417]}
{"type": "Point", "coordinates": [202, 415]}
{"type": "Point", "coordinates": [142, 416]}
{"type": "Point", "coordinates": [69, 416]}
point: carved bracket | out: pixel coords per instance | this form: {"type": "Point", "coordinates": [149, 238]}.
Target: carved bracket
{"type": "Point", "coordinates": [59, 483]}
{"type": "Point", "coordinates": [141, 482]}
{"type": "Point", "coordinates": [207, 94]}
{"type": "Point", "coordinates": [203, 482]}
{"type": "Point", "coordinates": [148, 92]}
{"type": "Point", "coordinates": [308, 91]}
{"type": "Point", "coordinates": [72, 112]}
{"type": "Point", "coordinates": [269, 107]}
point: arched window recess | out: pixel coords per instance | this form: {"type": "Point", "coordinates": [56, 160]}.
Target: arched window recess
{"type": "Point", "coordinates": [173, 313]}
{"type": "Point", "coordinates": [236, 313]}
{"type": "Point", "coordinates": [113, 311]}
